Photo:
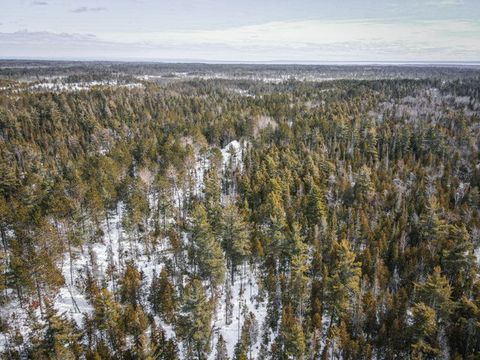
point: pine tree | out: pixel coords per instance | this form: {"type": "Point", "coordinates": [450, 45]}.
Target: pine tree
{"type": "Point", "coordinates": [277, 221]}
{"type": "Point", "coordinates": [317, 209]}
{"type": "Point", "coordinates": [207, 252]}
{"type": "Point", "coordinates": [130, 285]}
{"type": "Point", "coordinates": [108, 318]}
{"type": "Point", "coordinates": [424, 329]}
{"type": "Point", "coordinates": [299, 270]}
{"type": "Point", "coordinates": [458, 260]}
{"type": "Point", "coordinates": [235, 236]}
{"type": "Point", "coordinates": [342, 284]}
{"type": "Point", "coordinates": [3, 274]}
{"type": "Point", "coordinates": [437, 293]}
{"type": "Point", "coordinates": [194, 325]}
{"type": "Point", "coordinates": [165, 206]}
{"type": "Point", "coordinates": [135, 324]}
{"type": "Point", "coordinates": [221, 349]}
{"type": "Point", "coordinates": [61, 340]}
{"type": "Point", "coordinates": [137, 208]}
{"type": "Point", "coordinates": [291, 336]}
{"type": "Point", "coordinates": [212, 192]}
{"type": "Point", "coordinates": [364, 187]}
{"type": "Point", "coordinates": [161, 347]}
{"type": "Point", "coordinates": [249, 333]}
{"type": "Point", "coordinates": [163, 297]}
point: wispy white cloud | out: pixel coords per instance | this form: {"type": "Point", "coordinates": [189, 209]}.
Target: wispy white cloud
{"type": "Point", "coordinates": [308, 40]}
{"type": "Point", "coordinates": [85, 9]}
{"type": "Point", "coordinates": [39, 3]}
{"type": "Point", "coordinates": [415, 38]}
{"type": "Point", "coordinates": [445, 3]}
{"type": "Point", "coordinates": [45, 44]}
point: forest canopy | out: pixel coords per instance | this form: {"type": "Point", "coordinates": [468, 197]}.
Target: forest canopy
{"type": "Point", "coordinates": [239, 217]}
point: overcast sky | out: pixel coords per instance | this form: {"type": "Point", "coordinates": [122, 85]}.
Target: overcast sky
{"type": "Point", "coordinates": [242, 30]}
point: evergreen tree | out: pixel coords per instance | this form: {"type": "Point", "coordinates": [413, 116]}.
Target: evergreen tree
{"type": "Point", "coordinates": [342, 284]}
{"type": "Point", "coordinates": [130, 285]}
{"type": "Point", "coordinates": [317, 211]}
{"type": "Point", "coordinates": [206, 251]}
{"type": "Point", "coordinates": [61, 340]}
{"type": "Point", "coordinates": [437, 293]}
{"type": "Point", "coordinates": [299, 270]}
{"type": "Point", "coordinates": [162, 297]}
{"type": "Point", "coordinates": [291, 336]}
{"type": "Point", "coordinates": [194, 326]}
{"type": "Point", "coordinates": [424, 329]}
{"type": "Point", "coordinates": [235, 236]}
{"type": "Point", "coordinates": [163, 348]}
{"type": "Point", "coordinates": [221, 349]}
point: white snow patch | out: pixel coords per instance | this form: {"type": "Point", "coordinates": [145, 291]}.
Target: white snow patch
{"type": "Point", "coordinates": [245, 291]}
{"type": "Point", "coordinates": [78, 86]}
{"type": "Point", "coordinates": [233, 154]}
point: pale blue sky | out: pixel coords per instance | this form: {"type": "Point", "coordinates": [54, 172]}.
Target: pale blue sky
{"type": "Point", "coordinates": [248, 30]}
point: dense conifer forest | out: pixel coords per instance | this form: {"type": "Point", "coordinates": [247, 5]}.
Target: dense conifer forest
{"type": "Point", "coordinates": [239, 212]}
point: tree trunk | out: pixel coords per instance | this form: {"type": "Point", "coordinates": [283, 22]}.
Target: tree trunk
{"type": "Point", "coordinates": [37, 285]}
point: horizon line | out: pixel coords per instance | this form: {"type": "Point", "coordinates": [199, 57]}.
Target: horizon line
{"type": "Point", "coordinates": [240, 62]}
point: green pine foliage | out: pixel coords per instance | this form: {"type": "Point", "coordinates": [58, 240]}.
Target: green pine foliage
{"type": "Point", "coordinates": [350, 219]}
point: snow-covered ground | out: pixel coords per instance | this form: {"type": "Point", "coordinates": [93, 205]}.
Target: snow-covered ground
{"type": "Point", "coordinates": [233, 154]}
{"type": "Point", "coordinates": [244, 292]}
{"type": "Point", "coordinates": [115, 248]}
{"type": "Point", "coordinates": [60, 86]}
{"type": "Point", "coordinates": [70, 299]}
